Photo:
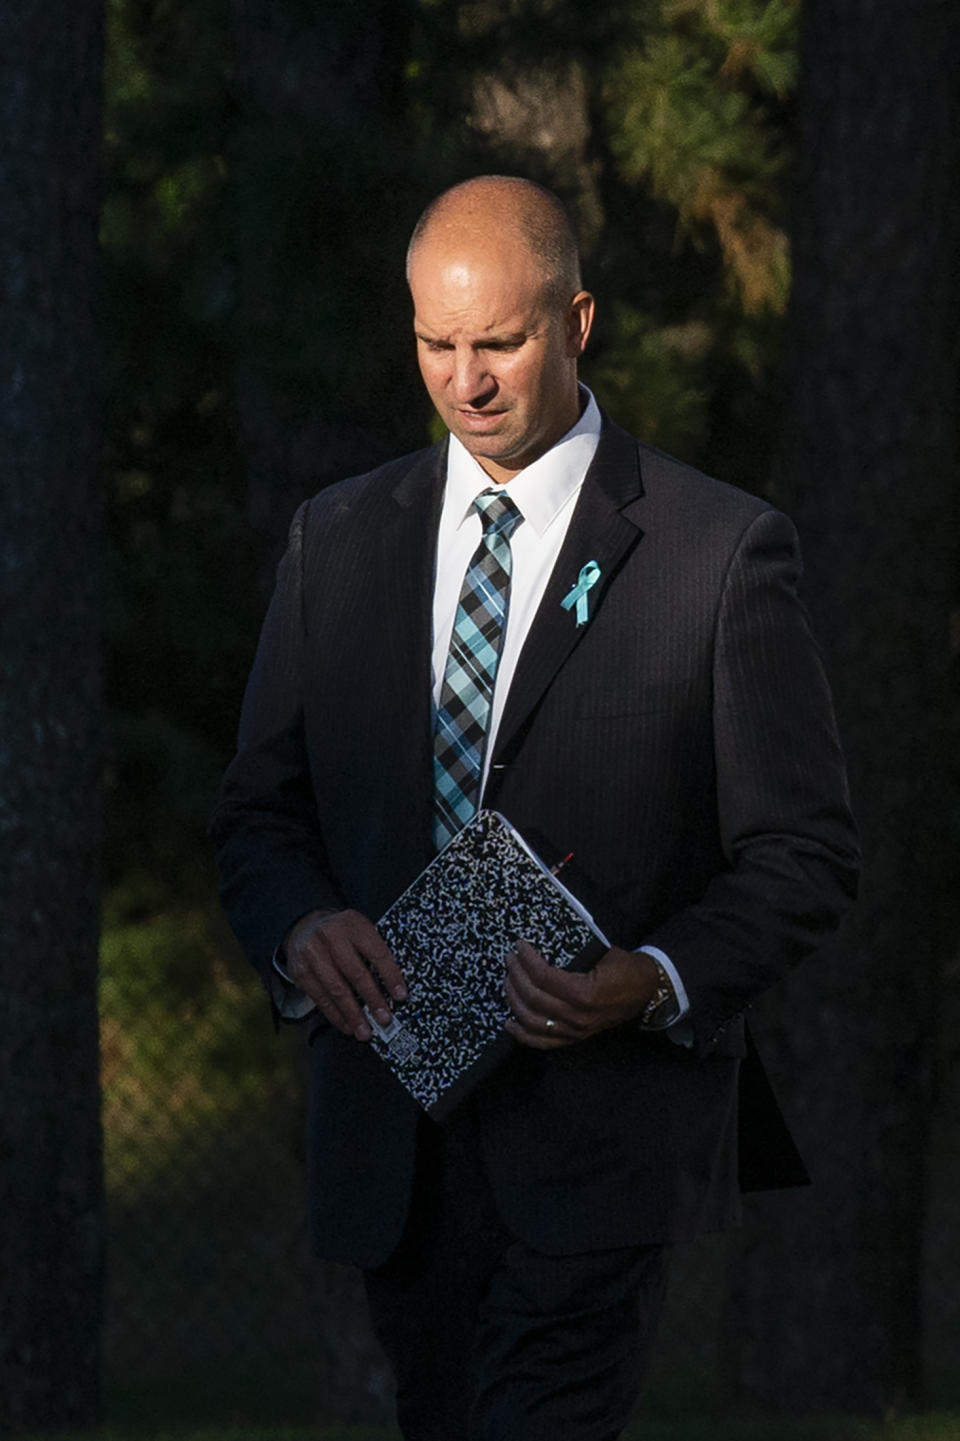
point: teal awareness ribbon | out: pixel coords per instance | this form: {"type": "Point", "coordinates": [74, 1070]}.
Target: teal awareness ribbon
{"type": "Point", "coordinates": [587, 578]}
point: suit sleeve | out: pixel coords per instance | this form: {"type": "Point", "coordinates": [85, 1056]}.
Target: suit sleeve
{"type": "Point", "coordinates": [786, 830]}
{"type": "Point", "coordinates": [270, 853]}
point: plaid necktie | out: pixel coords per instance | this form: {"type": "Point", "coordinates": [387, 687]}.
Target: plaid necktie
{"type": "Point", "coordinates": [464, 710]}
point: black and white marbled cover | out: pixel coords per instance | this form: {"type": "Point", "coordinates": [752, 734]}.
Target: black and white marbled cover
{"type": "Point", "coordinates": [451, 931]}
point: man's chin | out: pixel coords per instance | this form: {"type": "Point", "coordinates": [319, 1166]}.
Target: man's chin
{"type": "Point", "coordinates": [485, 447]}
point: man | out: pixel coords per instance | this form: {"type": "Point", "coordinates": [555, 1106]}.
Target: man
{"type": "Point", "coordinates": [644, 692]}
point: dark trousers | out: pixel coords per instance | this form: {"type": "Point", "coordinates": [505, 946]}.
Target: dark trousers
{"type": "Point", "coordinates": [491, 1340]}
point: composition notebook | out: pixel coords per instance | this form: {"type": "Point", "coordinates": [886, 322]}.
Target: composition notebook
{"type": "Point", "coordinates": [451, 931]}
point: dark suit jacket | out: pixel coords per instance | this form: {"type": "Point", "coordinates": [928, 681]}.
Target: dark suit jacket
{"type": "Point", "coordinates": [681, 743]}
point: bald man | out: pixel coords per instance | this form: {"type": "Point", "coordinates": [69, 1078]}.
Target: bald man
{"type": "Point", "coordinates": [675, 732]}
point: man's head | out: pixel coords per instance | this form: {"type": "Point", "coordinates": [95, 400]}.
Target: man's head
{"type": "Point", "coordinates": [500, 318]}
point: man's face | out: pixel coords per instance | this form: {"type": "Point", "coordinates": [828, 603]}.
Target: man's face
{"type": "Point", "coordinates": [498, 358]}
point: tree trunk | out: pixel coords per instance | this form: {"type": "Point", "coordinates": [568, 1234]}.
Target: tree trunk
{"type": "Point", "coordinates": [825, 1306]}
{"type": "Point", "coordinates": [323, 370]}
{"type": "Point", "coordinates": [323, 198]}
{"type": "Point", "coordinates": [50, 1153]}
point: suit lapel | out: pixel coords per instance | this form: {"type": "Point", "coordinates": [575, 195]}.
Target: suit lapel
{"type": "Point", "coordinates": [598, 531]}
{"type": "Point", "coordinates": [406, 605]}
{"type": "Point", "coordinates": [405, 620]}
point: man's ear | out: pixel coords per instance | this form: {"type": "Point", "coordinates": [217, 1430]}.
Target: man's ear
{"type": "Point", "coordinates": [579, 323]}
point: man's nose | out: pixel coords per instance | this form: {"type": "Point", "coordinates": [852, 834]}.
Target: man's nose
{"type": "Point", "coordinates": [471, 378]}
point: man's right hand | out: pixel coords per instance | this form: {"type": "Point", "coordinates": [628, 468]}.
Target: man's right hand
{"type": "Point", "coordinates": [335, 957]}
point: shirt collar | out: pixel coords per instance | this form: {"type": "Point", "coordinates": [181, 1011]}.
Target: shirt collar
{"type": "Point", "coordinates": [540, 491]}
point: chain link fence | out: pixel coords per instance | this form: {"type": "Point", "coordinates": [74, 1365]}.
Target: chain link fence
{"type": "Point", "coordinates": [216, 1310]}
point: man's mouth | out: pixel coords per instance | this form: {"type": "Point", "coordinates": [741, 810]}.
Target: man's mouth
{"type": "Point", "coordinates": [479, 419]}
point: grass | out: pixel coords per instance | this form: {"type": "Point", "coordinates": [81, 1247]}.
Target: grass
{"type": "Point", "coordinates": [940, 1426]}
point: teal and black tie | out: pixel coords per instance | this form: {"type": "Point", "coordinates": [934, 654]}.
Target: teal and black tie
{"type": "Point", "coordinates": [464, 711]}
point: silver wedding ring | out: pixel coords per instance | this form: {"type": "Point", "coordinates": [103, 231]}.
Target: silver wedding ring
{"type": "Point", "coordinates": [549, 1025]}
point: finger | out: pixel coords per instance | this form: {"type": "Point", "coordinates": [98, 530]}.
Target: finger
{"type": "Point", "coordinates": [538, 1040]}
{"type": "Point", "coordinates": [335, 997]}
{"type": "Point", "coordinates": [328, 969]}
{"type": "Point", "coordinates": [351, 984]}
{"type": "Point", "coordinates": [360, 934]}
{"type": "Point", "coordinates": [302, 963]}
{"type": "Point", "coordinates": [566, 986]}
{"type": "Point", "coordinates": [539, 1017]}
{"type": "Point", "coordinates": [311, 984]}
{"type": "Point", "coordinates": [566, 1010]}
{"type": "Point", "coordinates": [379, 955]}
{"type": "Point", "coordinates": [339, 949]}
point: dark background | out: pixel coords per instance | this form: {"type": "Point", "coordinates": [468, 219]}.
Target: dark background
{"type": "Point", "coordinates": [766, 196]}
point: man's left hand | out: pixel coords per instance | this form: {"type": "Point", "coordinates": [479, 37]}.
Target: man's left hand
{"type": "Point", "coordinates": [552, 1007]}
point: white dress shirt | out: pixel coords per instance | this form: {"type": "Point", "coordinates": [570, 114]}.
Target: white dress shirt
{"type": "Point", "coordinates": [545, 493]}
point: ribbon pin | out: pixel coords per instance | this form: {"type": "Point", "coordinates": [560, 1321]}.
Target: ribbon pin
{"type": "Point", "coordinates": [587, 578]}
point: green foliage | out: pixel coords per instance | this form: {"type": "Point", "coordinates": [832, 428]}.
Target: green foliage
{"type": "Point", "coordinates": [243, 279]}
{"type": "Point", "coordinates": [653, 379]}
{"type": "Point", "coordinates": [179, 617]}
{"type": "Point", "coordinates": [695, 104]}
{"type": "Point", "coordinates": [695, 107]}
{"type": "Point", "coordinates": [162, 225]}
{"type": "Point", "coordinates": [185, 1045]}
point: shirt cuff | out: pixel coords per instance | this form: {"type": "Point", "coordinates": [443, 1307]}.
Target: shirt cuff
{"type": "Point", "coordinates": [679, 1030]}
{"type": "Point", "coordinates": [292, 1004]}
